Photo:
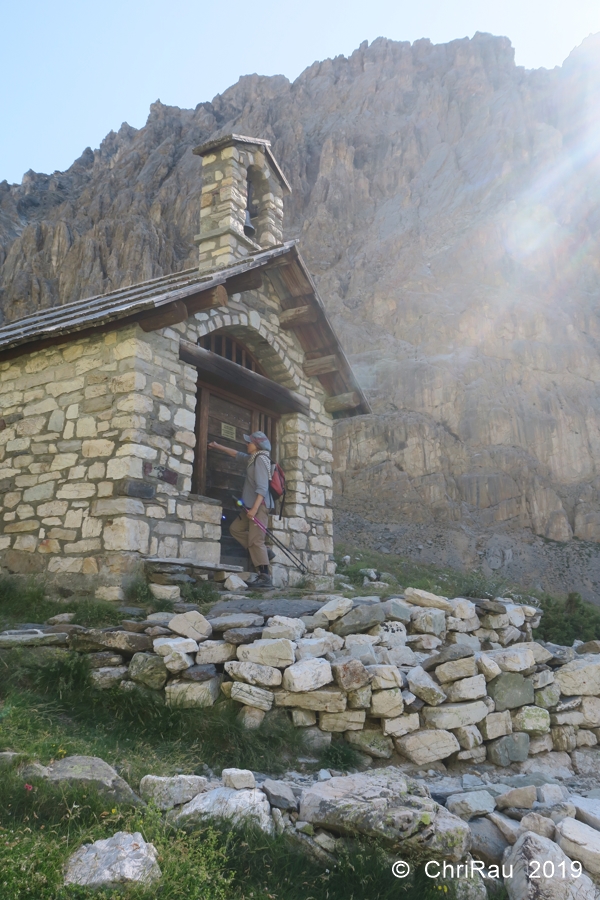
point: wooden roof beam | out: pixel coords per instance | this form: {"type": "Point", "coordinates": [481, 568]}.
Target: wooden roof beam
{"type": "Point", "coordinates": [321, 366]}
{"type": "Point", "coordinates": [342, 402]}
{"type": "Point", "coordinates": [298, 316]}
{"type": "Point", "coordinates": [247, 281]}
{"type": "Point", "coordinates": [180, 310]}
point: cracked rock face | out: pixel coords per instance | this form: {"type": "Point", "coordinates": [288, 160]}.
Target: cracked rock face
{"type": "Point", "coordinates": [445, 221]}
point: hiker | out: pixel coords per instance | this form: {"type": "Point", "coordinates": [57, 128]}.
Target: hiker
{"type": "Point", "coordinates": [257, 501]}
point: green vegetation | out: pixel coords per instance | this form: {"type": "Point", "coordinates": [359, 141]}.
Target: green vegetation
{"type": "Point", "coordinates": [41, 825]}
{"type": "Point", "coordinates": [565, 621]}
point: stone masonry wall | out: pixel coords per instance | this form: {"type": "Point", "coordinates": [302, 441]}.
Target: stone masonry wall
{"type": "Point", "coordinates": [97, 444]}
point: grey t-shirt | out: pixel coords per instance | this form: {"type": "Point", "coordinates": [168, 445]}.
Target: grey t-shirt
{"type": "Point", "coordinates": [257, 480]}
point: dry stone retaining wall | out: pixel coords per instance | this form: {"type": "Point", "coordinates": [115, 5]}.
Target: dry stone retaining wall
{"type": "Point", "coordinates": [421, 676]}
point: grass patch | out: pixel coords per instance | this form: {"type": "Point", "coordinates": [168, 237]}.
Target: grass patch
{"type": "Point", "coordinates": [53, 705]}
{"type": "Point", "coordinates": [25, 601]}
{"type": "Point", "coordinates": [340, 755]}
{"type": "Point", "coordinates": [137, 592]}
{"type": "Point", "coordinates": [203, 593]}
{"type": "Point", "coordinates": [40, 828]}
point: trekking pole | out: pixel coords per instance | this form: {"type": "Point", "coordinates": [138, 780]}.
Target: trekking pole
{"type": "Point", "coordinates": [291, 556]}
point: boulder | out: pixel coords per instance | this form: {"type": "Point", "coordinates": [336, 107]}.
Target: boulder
{"type": "Point", "coordinates": [350, 674]}
{"type": "Point", "coordinates": [238, 779]}
{"type": "Point", "coordinates": [250, 695]}
{"type": "Point", "coordinates": [192, 625]}
{"type": "Point", "coordinates": [360, 698]}
{"type": "Point", "coordinates": [509, 749]}
{"type": "Point", "coordinates": [423, 747]}
{"type": "Point", "coordinates": [487, 841]}
{"type": "Point", "coordinates": [588, 809]}
{"type": "Point", "coordinates": [466, 689]}
{"type": "Point", "coordinates": [519, 797]}
{"type": "Point", "coordinates": [456, 669]}
{"type": "Point", "coordinates": [254, 673]}
{"type": "Point", "coordinates": [423, 598]}
{"type": "Point", "coordinates": [581, 842]}
{"type": "Point", "coordinates": [454, 715]}
{"type": "Point", "coordinates": [280, 794]}
{"type": "Point", "coordinates": [114, 862]}
{"type": "Point", "coordinates": [86, 772]}
{"type": "Point", "coordinates": [510, 690]}
{"type": "Point", "coordinates": [538, 824]}
{"type": "Point", "coordinates": [226, 803]}
{"type": "Point", "coordinates": [278, 653]}
{"type": "Point", "coordinates": [471, 804]}
{"type": "Point", "coordinates": [532, 719]}
{"type": "Point", "coordinates": [548, 886]}
{"type": "Point", "coordinates": [149, 670]}
{"type": "Point", "coordinates": [580, 677]}
{"type": "Point", "coordinates": [385, 806]}
{"type": "Point", "coordinates": [371, 742]}
{"type": "Point", "coordinates": [215, 652]}
{"type": "Point", "coordinates": [307, 675]}
{"type": "Point", "coordinates": [422, 685]}
{"type": "Point", "coordinates": [509, 828]}
{"type": "Point", "coordinates": [358, 620]}
{"type": "Point", "coordinates": [191, 694]}
{"type": "Point", "coordinates": [166, 793]}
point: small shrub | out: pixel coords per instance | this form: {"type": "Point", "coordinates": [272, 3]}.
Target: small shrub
{"type": "Point", "coordinates": [564, 621]}
{"type": "Point", "coordinates": [340, 755]}
{"type": "Point", "coordinates": [201, 592]}
{"type": "Point", "coordinates": [137, 592]}
{"type": "Point", "coordinates": [92, 613]}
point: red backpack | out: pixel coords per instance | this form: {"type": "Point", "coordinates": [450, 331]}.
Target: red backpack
{"type": "Point", "coordinates": [277, 485]}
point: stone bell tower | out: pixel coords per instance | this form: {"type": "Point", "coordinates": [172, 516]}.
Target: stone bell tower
{"type": "Point", "coordinates": [241, 208]}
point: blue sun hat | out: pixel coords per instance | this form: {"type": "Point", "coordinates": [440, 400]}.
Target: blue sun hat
{"type": "Point", "coordinates": [259, 438]}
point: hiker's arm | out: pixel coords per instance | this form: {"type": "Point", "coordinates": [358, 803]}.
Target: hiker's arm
{"type": "Point", "coordinates": [214, 446]}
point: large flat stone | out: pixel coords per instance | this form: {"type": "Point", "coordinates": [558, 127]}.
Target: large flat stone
{"type": "Point", "coordinates": [226, 803]}
{"type": "Point", "coordinates": [89, 771]}
{"type": "Point", "coordinates": [423, 598]}
{"type": "Point", "coordinates": [191, 624]}
{"type": "Point", "coordinates": [33, 639]}
{"type": "Point", "coordinates": [487, 841]}
{"type": "Point", "coordinates": [254, 673]}
{"type": "Point", "coordinates": [581, 842]}
{"type": "Point", "coordinates": [167, 792]}
{"type": "Point", "coordinates": [358, 620]}
{"type": "Point", "coordinates": [322, 700]}
{"type": "Point", "coordinates": [454, 715]}
{"type": "Point", "coordinates": [307, 675]}
{"type": "Point", "coordinates": [277, 653]}
{"type": "Point", "coordinates": [190, 694]}
{"type": "Point", "coordinates": [250, 695]}
{"type": "Point", "coordinates": [470, 804]}
{"type": "Point", "coordinates": [125, 641]}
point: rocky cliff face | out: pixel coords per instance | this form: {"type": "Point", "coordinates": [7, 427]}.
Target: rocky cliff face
{"type": "Point", "coordinates": [448, 203]}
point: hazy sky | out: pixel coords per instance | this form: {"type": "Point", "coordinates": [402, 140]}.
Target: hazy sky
{"type": "Point", "coordinates": [71, 71]}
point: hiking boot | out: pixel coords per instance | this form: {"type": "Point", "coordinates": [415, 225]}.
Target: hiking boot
{"type": "Point", "coordinates": [270, 554]}
{"type": "Point", "coordinates": [262, 583]}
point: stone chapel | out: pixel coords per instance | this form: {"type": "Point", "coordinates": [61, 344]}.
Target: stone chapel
{"type": "Point", "coordinates": [107, 404]}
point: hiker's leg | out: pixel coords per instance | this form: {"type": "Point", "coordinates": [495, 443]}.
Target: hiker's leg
{"type": "Point", "coordinates": [239, 529]}
{"type": "Point", "coordinates": [256, 539]}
